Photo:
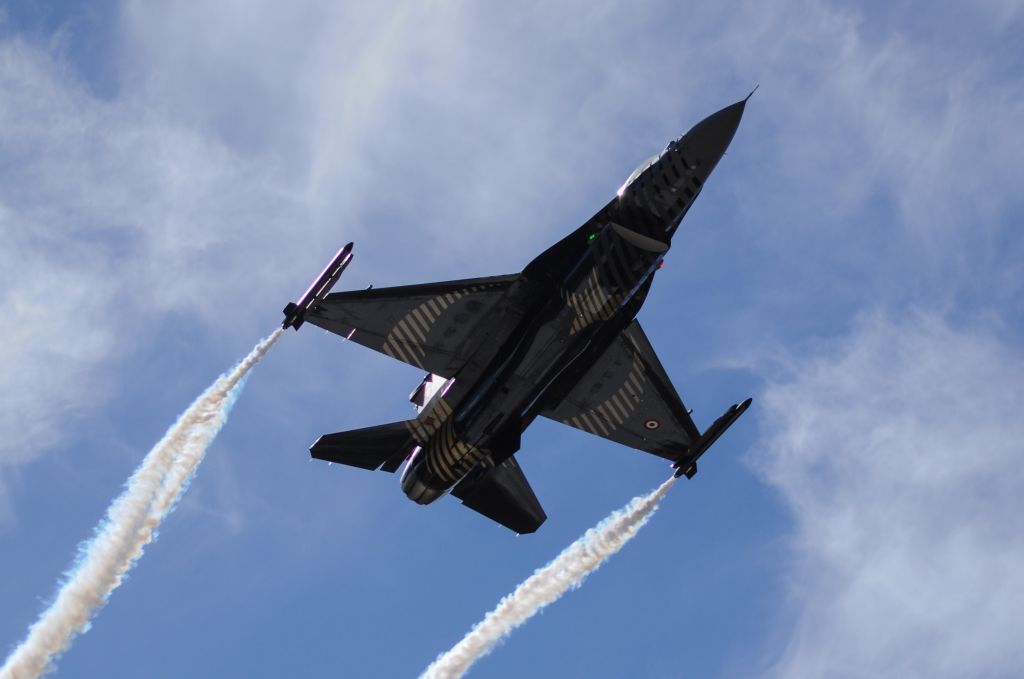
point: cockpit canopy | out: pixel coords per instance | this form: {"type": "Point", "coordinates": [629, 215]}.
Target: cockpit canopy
{"type": "Point", "coordinates": [638, 171]}
{"type": "Point", "coordinates": [644, 165]}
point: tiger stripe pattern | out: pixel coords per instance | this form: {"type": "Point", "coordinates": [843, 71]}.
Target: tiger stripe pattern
{"type": "Point", "coordinates": [428, 422]}
{"type": "Point", "coordinates": [666, 189]}
{"type": "Point", "coordinates": [592, 304]}
{"type": "Point", "coordinates": [406, 340]}
{"type": "Point", "coordinates": [449, 458]}
{"type": "Point", "coordinates": [606, 417]}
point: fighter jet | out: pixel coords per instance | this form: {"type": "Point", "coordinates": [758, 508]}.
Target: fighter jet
{"type": "Point", "coordinates": [559, 340]}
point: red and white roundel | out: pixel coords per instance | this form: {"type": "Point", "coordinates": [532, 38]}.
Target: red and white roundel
{"type": "Point", "coordinates": [651, 424]}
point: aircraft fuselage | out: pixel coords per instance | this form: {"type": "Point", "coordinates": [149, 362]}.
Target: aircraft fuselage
{"type": "Point", "coordinates": [565, 309]}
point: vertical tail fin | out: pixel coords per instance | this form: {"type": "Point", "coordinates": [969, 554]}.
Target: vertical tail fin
{"type": "Point", "coordinates": [502, 494]}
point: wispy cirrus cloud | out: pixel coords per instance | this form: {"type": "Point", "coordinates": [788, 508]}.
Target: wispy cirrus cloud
{"type": "Point", "coordinates": [111, 216]}
{"type": "Point", "coordinates": [897, 451]}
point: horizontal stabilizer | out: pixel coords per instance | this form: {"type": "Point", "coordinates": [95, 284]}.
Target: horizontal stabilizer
{"type": "Point", "coordinates": [504, 495]}
{"type": "Point", "coordinates": [384, 446]}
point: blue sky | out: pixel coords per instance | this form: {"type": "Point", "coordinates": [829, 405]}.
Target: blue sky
{"type": "Point", "coordinates": [171, 174]}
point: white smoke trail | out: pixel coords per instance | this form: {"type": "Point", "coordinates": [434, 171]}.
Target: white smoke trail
{"type": "Point", "coordinates": [546, 585]}
{"type": "Point", "coordinates": [131, 522]}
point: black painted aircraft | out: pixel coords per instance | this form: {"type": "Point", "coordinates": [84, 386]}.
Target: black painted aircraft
{"type": "Point", "coordinates": [557, 340]}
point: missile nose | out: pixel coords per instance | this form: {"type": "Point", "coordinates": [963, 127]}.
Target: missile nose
{"type": "Point", "coordinates": [707, 141]}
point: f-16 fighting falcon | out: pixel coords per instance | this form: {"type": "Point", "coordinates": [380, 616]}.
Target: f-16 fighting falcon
{"type": "Point", "coordinates": [558, 340]}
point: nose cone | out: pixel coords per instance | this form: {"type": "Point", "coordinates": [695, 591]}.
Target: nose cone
{"type": "Point", "coordinates": [707, 141]}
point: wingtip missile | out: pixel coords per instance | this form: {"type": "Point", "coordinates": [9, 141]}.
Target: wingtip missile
{"type": "Point", "coordinates": [295, 312]}
{"type": "Point", "coordinates": [294, 316]}
{"type": "Point", "coordinates": [687, 462]}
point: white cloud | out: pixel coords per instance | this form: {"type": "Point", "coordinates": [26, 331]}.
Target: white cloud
{"type": "Point", "coordinates": [897, 450]}
{"type": "Point", "coordinates": [111, 217]}
{"type": "Point", "coordinates": [891, 147]}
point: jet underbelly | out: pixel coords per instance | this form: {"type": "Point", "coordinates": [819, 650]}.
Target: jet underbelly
{"type": "Point", "coordinates": [487, 427]}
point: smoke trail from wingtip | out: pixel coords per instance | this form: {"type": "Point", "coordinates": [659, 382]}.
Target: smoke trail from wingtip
{"type": "Point", "coordinates": [131, 521]}
{"type": "Point", "coordinates": [566, 571]}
